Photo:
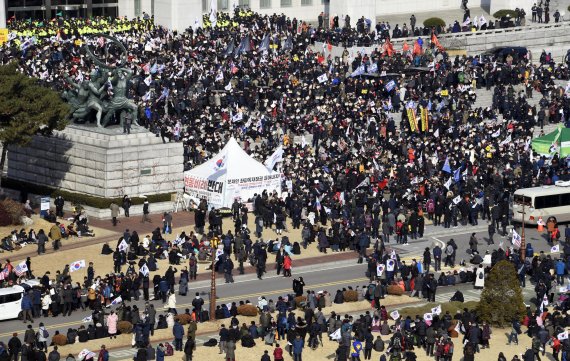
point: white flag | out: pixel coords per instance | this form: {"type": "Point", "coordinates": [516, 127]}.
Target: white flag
{"type": "Point", "coordinates": [516, 239]}
{"type": "Point", "coordinates": [335, 335]}
{"type": "Point", "coordinates": [364, 183]}
{"type": "Point", "coordinates": [456, 200]}
{"type": "Point", "coordinates": [117, 300]}
{"type": "Point", "coordinates": [228, 87]}
{"type": "Point", "coordinates": [275, 158]}
{"type": "Point", "coordinates": [506, 141]}
{"type": "Point", "coordinates": [303, 141]}
{"type": "Point", "coordinates": [482, 20]}
{"type": "Point", "coordinates": [87, 319]}
{"type": "Point", "coordinates": [85, 354]}
{"type": "Point", "coordinates": [220, 76]}
{"type": "Point", "coordinates": [428, 316]}
{"type": "Point", "coordinates": [555, 249]}
{"type": "Point", "coordinates": [21, 268]}
{"type": "Point", "coordinates": [395, 315]}
{"type": "Point", "coordinates": [436, 133]}
{"type": "Point", "coordinates": [323, 78]}
{"type": "Point", "coordinates": [458, 327]}
{"type": "Point", "coordinates": [380, 269]}
{"type": "Point", "coordinates": [448, 183]}
{"type": "Point", "coordinates": [144, 270]}
{"type": "Point", "coordinates": [467, 21]}
{"type": "Point", "coordinates": [563, 336]}
{"type": "Point", "coordinates": [77, 265]}
{"type": "Point", "coordinates": [123, 246]}
{"type": "Point", "coordinates": [496, 134]}
{"type": "Point", "coordinates": [436, 310]}
{"type": "Point", "coordinates": [544, 303]}
{"type": "Point", "coordinates": [148, 80]}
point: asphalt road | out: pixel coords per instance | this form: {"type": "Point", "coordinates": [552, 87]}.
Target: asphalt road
{"type": "Point", "coordinates": [327, 276]}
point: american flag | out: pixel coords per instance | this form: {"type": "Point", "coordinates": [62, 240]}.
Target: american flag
{"type": "Point", "coordinates": [101, 41]}
{"type": "Point", "coordinates": [4, 274]}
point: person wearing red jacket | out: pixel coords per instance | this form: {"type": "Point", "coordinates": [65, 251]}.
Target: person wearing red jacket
{"type": "Point", "coordinates": [287, 266]}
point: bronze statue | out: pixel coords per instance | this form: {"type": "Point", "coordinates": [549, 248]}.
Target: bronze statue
{"type": "Point", "coordinates": [86, 96]}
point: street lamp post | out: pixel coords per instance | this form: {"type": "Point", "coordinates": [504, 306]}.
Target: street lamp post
{"type": "Point", "coordinates": [522, 249]}
{"type": "Point", "coordinates": [213, 288]}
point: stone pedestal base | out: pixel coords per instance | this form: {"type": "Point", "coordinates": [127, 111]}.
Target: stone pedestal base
{"type": "Point", "coordinates": [100, 162]}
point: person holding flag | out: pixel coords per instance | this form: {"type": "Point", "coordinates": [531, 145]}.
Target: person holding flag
{"type": "Point", "coordinates": [436, 43]}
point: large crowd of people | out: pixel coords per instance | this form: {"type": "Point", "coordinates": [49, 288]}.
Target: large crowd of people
{"type": "Point", "coordinates": [360, 181]}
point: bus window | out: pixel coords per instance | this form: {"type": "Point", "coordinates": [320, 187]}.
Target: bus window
{"type": "Point", "coordinates": [547, 201]}
{"type": "Point", "coordinates": [565, 199]}
{"type": "Point", "coordinates": [520, 199]}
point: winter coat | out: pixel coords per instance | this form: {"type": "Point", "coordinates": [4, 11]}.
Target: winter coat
{"type": "Point", "coordinates": [112, 320]}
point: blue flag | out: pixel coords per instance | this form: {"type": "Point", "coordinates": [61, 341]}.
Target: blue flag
{"type": "Point", "coordinates": [264, 46]}
{"type": "Point", "coordinates": [230, 49]}
{"type": "Point", "coordinates": [457, 175]}
{"type": "Point", "coordinates": [391, 85]}
{"type": "Point", "coordinates": [446, 168]}
{"type": "Point", "coordinates": [359, 71]}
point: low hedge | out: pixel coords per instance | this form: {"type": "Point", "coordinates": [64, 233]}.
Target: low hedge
{"type": "Point", "coordinates": [395, 290]}
{"type": "Point", "coordinates": [433, 22]}
{"type": "Point", "coordinates": [505, 12]}
{"type": "Point", "coordinates": [300, 301]}
{"type": "Point", "coordinates": [247, 310]}
{"type": "Point", "coordinates": [59, 340]}
{"type": "Point", "coordinates": [350, 296]}
{"type": "Point", "coordinates": [183, 318]}
{"type": "Point", "coordinates": [124, 327]}
{"type": "Point", "coordinates": [80, 199]}
{"type": "Point", "coordinates": [14, 210]}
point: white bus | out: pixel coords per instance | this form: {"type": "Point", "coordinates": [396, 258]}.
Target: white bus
{"type": "Point", "coordinates": [545, 201]}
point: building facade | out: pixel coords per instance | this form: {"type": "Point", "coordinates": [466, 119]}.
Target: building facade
{"type": "Point", "coordinates": [181, 14]}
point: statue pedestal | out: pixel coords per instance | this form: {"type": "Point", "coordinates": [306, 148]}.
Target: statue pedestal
{"type": "Point", "coordinates": [100, 162]}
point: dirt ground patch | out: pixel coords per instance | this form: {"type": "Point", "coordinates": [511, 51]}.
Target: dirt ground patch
{"type": "Point", "coordinates": [104, 263]}
{"type": "Point", "coordinates": [40, 223]}
{"type": "Point", "coordinates": [327, 352]}
{"type": "Point", "coordinates": [213, 327]}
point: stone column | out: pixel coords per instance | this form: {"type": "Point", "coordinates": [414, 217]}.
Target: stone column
{"type": "Point", "coordinates": [2, 13]}
{"type": "Point", "coordinates": [353, 8]}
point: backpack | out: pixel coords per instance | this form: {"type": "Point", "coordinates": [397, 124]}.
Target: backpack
{"type": "Point", "coordinates": [192, 262]}
{"type": "Point", "coordinates": [449, 250]}
{"type": "Point", "coordinates": [481, 276]}
{"type": "Point", "coordinates": [45, 333]}
{"type": "Point", "coordinates": [169, 350]}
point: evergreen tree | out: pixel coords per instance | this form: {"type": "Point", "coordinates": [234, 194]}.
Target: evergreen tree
{"type": "Point", "coordinates": [26, 109]}
{"type": "Point", "coordinates": [502, 299]}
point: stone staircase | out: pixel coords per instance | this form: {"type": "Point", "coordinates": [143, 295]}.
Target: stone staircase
{"type": "Point", "coordinates": [485, 99]}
